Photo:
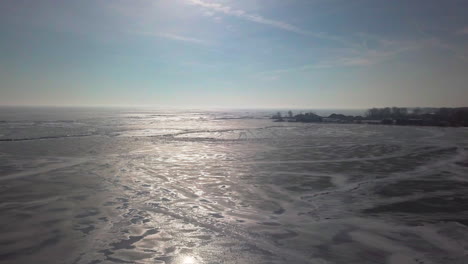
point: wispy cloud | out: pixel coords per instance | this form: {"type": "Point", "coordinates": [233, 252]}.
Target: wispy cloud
{"type": "Point", "coordinates": [356, 56]}
{"type": "Point", "coordinates": [357, 61]}
{"type": "Point", "coordinates": [365, 59]}
{"type": "Point", "coordinates": [458, 51]}
{"type": "Point", "coordinates": [227, 10]}
{"type": "Point", "coordinates": [177, 37]}
{"type": "Point", "coordinates": [463, 31]}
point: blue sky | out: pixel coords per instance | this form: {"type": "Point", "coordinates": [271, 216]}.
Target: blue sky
{"type": "Point", "coordinates": [226, 53]}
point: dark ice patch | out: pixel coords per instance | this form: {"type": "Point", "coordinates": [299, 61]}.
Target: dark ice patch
{"type": "Point", "coordinates": [432, 205]}
{"type": "Point", "coordinates": [409, 187]}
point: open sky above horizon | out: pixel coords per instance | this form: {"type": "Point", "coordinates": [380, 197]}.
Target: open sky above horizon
{"type": "Point", "coordinates": [241, 54]}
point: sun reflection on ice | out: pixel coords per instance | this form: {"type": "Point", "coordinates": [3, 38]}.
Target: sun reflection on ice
{"type": "Point", "coordinates": [188, 260]}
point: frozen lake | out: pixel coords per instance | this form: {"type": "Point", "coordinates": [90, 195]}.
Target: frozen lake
{"type": "Point", "coordinates": [183, 187]}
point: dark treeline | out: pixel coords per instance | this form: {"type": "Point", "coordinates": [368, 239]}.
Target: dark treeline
{"type": "Point", "coordinates": [421, 116]}
{"type": "Point", "coordinates": [387, 113]}
{"type": "Point", "coordinates": [389, 116]}
{"type": "Point", "coordinates": [304, 118]}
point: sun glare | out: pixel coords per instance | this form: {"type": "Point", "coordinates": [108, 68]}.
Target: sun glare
{"type": "Point", "coordinates": [188, 260]}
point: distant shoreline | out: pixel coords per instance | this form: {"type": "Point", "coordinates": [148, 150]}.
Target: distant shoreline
{"type": "Point", "coordinates": [442, 117]}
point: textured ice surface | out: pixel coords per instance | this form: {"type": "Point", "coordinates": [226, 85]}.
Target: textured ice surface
{"type": "Point", "coordinates": [152, 186]}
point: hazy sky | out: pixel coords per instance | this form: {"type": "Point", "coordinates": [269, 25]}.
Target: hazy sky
{"type": "Point", "coordinates": [234, 53]}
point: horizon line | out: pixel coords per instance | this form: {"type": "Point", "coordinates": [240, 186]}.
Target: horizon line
{"type": "Point", "coordinates": [219, 107]}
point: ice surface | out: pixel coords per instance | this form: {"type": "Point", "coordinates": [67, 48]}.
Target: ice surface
{"type": "Point", "coordinates": [153, 186]}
